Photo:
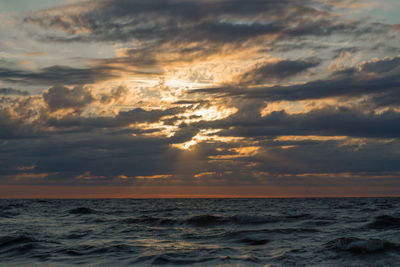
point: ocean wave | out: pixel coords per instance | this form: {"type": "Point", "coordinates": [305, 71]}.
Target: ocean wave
{"type": "Point", "coordinates": [205, 220]}
{"type": "Point", "coordinates": [358, 245]}
{"type": "Point", "coordinates": [189, 259]}
{"type": "Point", "coordinates": [253, 241]}
{"type": "Point", "coordinates": [385, 222]}
{"type": "Point", "coordinates": [77, 234]}
{"type": "Point", "coordinates": [252, 237]}
{"type": "Point", "coordinates": [319, 223]}
{"type": "Point", "coordinates": [15, 205]}
{"type": "Point", "coordinates": [82, 210]}
{"type": "Point", "coordinates": [199, 232]}
{"type": "Point", "coordinates": [149, 220]}
{"type": "Point", "coordinates": [9, 241]}
{"type": "Point", "coordinates": [88, 250]}
{"type": "Point", "coordinates": [302, 216]}
{"type": "Point", "coordinates": [14, 246]}
{"type": "Point", "coordinates": [202, 220]}
{"type": "Point", "coordinates": [246, 219]}
{"type": "Point", "coordinates": [8, 214]}
{"type": "Point", "coordinates": [210, 220]}
{"type": "Point", "coordinates": [179, 260]}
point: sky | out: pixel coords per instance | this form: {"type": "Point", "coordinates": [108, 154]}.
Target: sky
{"type": "Point", "coordinates": [199, 98]}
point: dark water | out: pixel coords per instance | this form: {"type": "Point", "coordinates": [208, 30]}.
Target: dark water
{"type": "Point", "coordinates": [201, 232]}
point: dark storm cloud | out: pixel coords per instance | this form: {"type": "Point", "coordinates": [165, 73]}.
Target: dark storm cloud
{"type": "Point", "coordinates": [121, 20]}
{"type": "Point", "coordinates": [312, 158]}
{"type": "Point", "coordinates": [275, 71]}
{"type": "Point", "coordinates": [386, 65]}
{"type": "Point", "coordinates": [123, 119]}
{"type": "Point", "coordinates": [324, 122]}
{"type": "Point", "coordinates": [16, 127]}
{"type": "Point", "coordinates": [190, 102]}
{"type": "Point", "coordinates": [64, 136]}
{"type": "Point", "coordinates": [9, 127]}
{"type": "Point", "coordinates": [12, 91]}
{"type": "Point", "coordinates": [184, 134]}
{"type": "Point", "coordinates": [60, 97]}
{"type": "Point", "coordinates": [58, 75]}
{"type": "Point", "coordinates": [106, 157]}
{"type": "Point", "coordinates": [164, 32]}
{"type": "Point", "coordinates": [74, 145]}
{"type": "Point", "coordinates": [32, 116]}
{"type": "Point", "coordinates": [106, 154]}
{"type": "Point", "coordinates": [330, 157]}
{"type": "Point", "coordinates": [68, 156]}
{"type": "Point", "coordinates": [191, 30]}
{"type": "Point", "coordinates": [377, 79]}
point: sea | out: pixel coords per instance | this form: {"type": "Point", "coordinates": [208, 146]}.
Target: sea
{"type": "Point", "coordinates": [200, 232]}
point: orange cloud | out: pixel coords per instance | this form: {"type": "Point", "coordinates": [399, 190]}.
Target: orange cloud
{"type": "Point", "coordinates": [158, 176]}
{"type": "Point", "coordinates": [199, 175]}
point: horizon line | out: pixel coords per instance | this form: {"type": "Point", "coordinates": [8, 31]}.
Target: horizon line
{"type": "Point", "coordinates": [196, 197]}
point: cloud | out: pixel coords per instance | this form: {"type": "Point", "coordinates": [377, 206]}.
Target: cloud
{"type": "Point", "coordinates": [218, 93]}
{"type": "Point", "coordinates": [269, 72]}
{"type": "Point", "coordinates": [58, 75]}
{"type": "Point", "coordinates": [122, 119]}
{"type": "Point", "coordinates": [376, 78]}
{"type": "Point", "coordinates": [13, 127]}
{"type": "Point", "coordinates": [121, 20]}
{"type": "Point", "coordinates": [163, 32]}
{"type": "Point", "coordinates": [60, 97]}
{"type": "Point", "coordinates": [12, 91]}
{"type": "Point", "coordinates": [68, 155]}
{"type": "Point", "coordinates": [321, 122]}
{"type": "Point", "coordinates": [117, 94]}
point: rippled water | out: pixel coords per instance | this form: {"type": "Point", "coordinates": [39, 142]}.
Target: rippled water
{"type": "Point", "coordinates": [201, 232]}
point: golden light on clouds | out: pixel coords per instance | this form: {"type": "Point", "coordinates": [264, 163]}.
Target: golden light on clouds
{"type": "Point", "coordinates": [238, 152]}
{"type": "Point", "coordinates": [157, 176]}
{"type": "Point", "coordinates": [301, 106]}
{"type": "Point", "coordinates": [206, 135]}
{"type": "Point", "coordinates": [214, 113]}
{"type": "Point", "coordinates": [200, 175]}
{"type": "Point", "coordinates": [308, 137]}
{"type": "Point", "coordinates": [106, 93]}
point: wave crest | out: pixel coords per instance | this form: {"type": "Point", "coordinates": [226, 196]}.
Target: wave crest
{"type": "Point", "coordinates": [385, 222]}
{"type": "Point", "coordinates": [358, 245]}
{"type": "Point", "coordinates": [82, 210]}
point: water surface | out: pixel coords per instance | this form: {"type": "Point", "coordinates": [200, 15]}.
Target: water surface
{"type": "Point", "coordinates": [200, 232]}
